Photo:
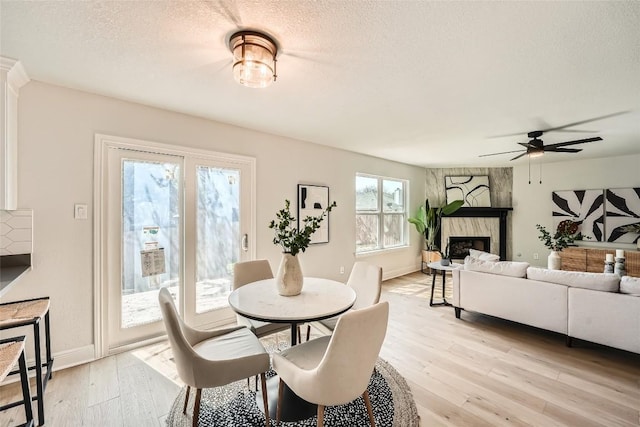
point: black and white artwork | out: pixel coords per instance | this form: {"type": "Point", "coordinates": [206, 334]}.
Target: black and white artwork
{"type": "Point", "coordinates": [472, 189]}
{"type": "Point", "coordinates": [622, 212]}
{"type": "Point", "coordinates": [312, 201]}
{"type": "Point", "coordinates": [586, 207]}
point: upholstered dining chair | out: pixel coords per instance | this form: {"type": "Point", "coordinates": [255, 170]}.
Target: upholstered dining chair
{"type": "Point", "coordinates": [336, 369]}
{"type": "Point", "coordinates": [252, 271]}
{"type": "Point", "coordinates": [366, 280]}
{"type": "Point", "coordinates": [206, 359]}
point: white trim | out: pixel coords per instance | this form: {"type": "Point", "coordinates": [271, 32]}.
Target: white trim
{"type": "Point", "coordinates": [168, 149]}
{"type": "Point", "coordinates": [397, 272]}
{"type": "Point", "coordinates": [377, 252]}
{"type": "Point", "coordinates": [16, 74]}
{"type": "Point", "coordinates": [63, 360]}
{"type": "Point", "coordinates": [102, 143]}
{"type": "Point", "coordinates": [98, 232]}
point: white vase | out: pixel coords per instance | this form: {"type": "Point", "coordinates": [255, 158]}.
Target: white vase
{"type": "Point", "coordinates": [554, 262]}
{"type": "Point", "coordinates": [289, 278]}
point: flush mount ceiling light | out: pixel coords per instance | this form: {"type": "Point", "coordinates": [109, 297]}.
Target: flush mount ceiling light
{"type": "Point", "coordinates": [254, 58]}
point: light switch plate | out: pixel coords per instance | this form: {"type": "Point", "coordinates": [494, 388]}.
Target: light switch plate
{"type": "Point", "coordinates": [80, 211]}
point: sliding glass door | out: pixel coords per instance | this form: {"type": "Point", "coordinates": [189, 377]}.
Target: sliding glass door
{"type": "Point", "coordinates": [177, 221]}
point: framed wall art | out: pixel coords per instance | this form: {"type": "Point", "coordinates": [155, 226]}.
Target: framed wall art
{"type": "Point", "coordinates": [472, 189]}
{"type": "Point", "coordinates": [622, 211]}
{"type": "Point", "coordinates": [585, 207]}
{"type": "Point", "coordinates": [312, 200]}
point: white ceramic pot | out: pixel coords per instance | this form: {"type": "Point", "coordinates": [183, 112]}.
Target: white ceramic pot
{"type": "Point", "coordinates": [554, 262]}
{"type": "Point", "coordinates": [289, 278]}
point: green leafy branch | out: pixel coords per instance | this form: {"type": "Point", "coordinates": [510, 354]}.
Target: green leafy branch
{"type": "Point", "coordinates": [288, 236]}
{"type": "Point", "coordinates": [557, 242]}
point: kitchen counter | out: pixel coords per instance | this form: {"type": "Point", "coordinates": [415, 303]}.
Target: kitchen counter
{"type": "Point", "coordinates": [12, 267]}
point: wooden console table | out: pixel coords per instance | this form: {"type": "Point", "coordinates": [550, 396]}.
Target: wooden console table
{"type": "Point", "coordinates": [592, 260]}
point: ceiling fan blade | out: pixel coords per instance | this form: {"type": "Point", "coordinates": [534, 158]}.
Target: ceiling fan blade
{"type": "Point", "coordinates": [504, 152]}
{"type": "Point", "coordinates": [549, 129]}
{"type": "Point", "coordinates": [584, 121]}
{"type": "Point", "coordinates": [576, 131]}
{"type": "Point", "coordinates": [577, 141]}
{"type": "Point", "coordinates": [517, 157]}
{"type": "Point", "coordinates": [507, 134]}
{"type": "Point", "coordinates": [527, 145]}
{"type": "Point", "coordinates": [563, 150]}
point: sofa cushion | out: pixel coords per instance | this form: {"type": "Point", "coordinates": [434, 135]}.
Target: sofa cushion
{"type": "Point", "coordinates": [630, 285]}
{"type": "Point", "coordinates": [502, 268]}
{"type": "Point", "coordinates": [484, 256]}
{"type": "Point", "coordinates": [606, 282]}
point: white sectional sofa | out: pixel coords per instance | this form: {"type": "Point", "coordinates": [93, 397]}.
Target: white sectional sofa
{"type": "Point", "coordinates": [596, 307]}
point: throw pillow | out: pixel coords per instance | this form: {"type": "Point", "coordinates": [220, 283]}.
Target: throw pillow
{"type": "Point", "coordinates": [484, 256]}
{"type": "Point", "coordinates": [605, 282]}
{"type": "Point", "coordinates": [502, 268]}
{"type": "Point", "coordinates": [630, 285]}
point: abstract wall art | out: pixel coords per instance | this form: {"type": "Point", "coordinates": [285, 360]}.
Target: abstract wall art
{"type": "Point", "coordinates": [472, 189]}
{"type": "Point", "coordinates": [622, 212]}
{"type": "Point", "coordinates": [583, 206]}
{"type": "Point", "coordinates": [312, 200]}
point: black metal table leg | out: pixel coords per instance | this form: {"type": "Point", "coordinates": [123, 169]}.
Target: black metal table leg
{"type": "Point", "coordinates": [294, 334]}
{"type": "Point", "coordinates": [433, 286]}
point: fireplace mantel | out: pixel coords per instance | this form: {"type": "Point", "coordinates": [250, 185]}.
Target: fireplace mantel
{"type": "Point", "coordinates": [474, 212]}
{"type": "Point", "coordinates": [481, 212]}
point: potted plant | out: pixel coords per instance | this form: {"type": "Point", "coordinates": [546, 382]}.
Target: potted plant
{"type": "Point", "coordinates": [566, 233]}
{"type": "Point", "coordinates": [446, 258]}
{"type": "Point", "coordinates": [428, 220]}
{"type": "Point", "coordinates": [293, 241]}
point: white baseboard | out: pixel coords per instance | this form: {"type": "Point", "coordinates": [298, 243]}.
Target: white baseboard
{"type": "Point", "coordinates": [397, 272]}
{"type": "Point", "coordinates": [62, 360]}
{"type": "Point", "coordinates": [74, 357]}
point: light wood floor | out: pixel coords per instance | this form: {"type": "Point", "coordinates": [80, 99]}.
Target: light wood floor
{"type": "Point", "coordinates": [477, 371]}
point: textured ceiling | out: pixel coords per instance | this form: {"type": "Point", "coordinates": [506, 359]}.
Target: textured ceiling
{"type": "Point", "coordinates": [420, 82]}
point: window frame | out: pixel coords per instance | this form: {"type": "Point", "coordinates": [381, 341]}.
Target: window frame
{"type": "Point", "coordinates": [380, 214]}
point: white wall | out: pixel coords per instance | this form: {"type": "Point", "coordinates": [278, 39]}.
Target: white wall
{"type": "Point", "coordinates": [532, 202]}
{"type": "Point", "coordinates": [55, 166]}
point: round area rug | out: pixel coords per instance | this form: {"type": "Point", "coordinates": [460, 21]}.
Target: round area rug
{"type": "Point", "coordinates": [235, 405]}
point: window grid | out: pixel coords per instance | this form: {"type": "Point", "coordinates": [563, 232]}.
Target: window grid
{"type": "Point", "coordinates": [381, 213]}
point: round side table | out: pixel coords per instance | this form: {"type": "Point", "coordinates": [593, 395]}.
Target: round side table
{"type": "Point", "coordinates": [443, 268]}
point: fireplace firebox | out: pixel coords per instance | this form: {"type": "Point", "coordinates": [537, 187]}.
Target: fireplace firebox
{"type": "Point", "coordinates": [459, 246]}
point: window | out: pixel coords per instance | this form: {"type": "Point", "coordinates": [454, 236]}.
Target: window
{"type": "Point", "coordinates": [381, 214]}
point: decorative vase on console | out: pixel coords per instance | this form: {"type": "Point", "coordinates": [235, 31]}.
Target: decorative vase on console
{"type": "Point", "coordinates": [554, 262]}
{"type": "Point", "coordinates": [566, 233]}
{"type": "Point", "coordinates": [289, 278]}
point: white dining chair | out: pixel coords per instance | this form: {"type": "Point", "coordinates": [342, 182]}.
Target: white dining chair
{"type": "Point", "coordinates": [335, 370]}
{"type": "Point", "coordinates": [251, 271]}
{"type": "Point", "coordinates": [206, 359]}
{"type": "Point", "coordinates": [366, 280]}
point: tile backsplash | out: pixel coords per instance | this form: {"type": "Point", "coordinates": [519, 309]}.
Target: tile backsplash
{"type": "Point", "coordinates": [16, 232]}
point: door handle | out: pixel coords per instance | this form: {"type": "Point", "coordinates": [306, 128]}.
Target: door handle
{"type": "Point", "coordinates": [245, 243]}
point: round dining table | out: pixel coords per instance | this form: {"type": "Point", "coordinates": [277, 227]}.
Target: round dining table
{"type": "Point", "coordinates": [320, 299]}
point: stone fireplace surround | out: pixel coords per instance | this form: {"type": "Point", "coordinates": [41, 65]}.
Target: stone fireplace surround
{"type": "Point", "coordinates": [478, 222]}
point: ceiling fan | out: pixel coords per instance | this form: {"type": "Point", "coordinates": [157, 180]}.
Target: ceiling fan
{"type": "Point", "coordinates": [536, 147]}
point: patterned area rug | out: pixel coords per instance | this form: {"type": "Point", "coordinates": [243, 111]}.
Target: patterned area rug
{"type": "Point", "coordinates": [235, 405]}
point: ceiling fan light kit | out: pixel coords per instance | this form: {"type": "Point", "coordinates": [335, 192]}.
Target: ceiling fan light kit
{"type": "Point", "coordinates": [254, 58]}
